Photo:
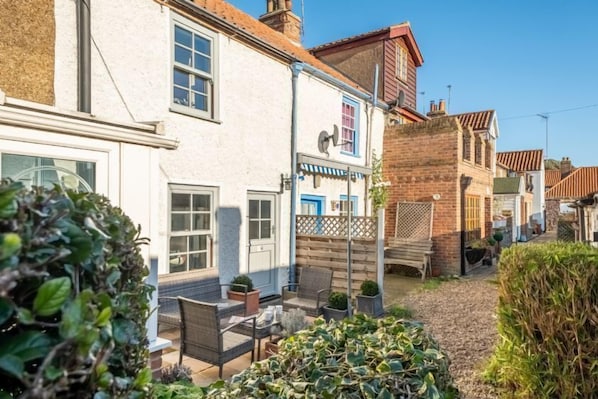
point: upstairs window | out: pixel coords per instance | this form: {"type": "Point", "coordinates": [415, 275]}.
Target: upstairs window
{"type": "Point", "coordinates": [350, 127]}
{"type": "Point", "coordinates": [402, 63]}
{"type": "Point", "coordinates": [466, 146]}
{"type": "Point", "coordinates": [194, 80]}
{"type": "Point", "coordinates": [488, 155]}
{"type": "Point", "coordinates": [478, 150]}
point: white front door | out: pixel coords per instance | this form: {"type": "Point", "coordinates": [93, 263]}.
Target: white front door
{"type": "Point", "coordinates": [261, 245]}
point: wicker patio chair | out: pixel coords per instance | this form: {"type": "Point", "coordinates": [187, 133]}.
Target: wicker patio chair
{"type": "Point", "coordinates": [203, 338]}
{"type": "Point", "coordinates": [312, 292]}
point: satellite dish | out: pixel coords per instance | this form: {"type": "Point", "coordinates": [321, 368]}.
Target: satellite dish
{"type": "Point", "coordinates": [335, 136]}
{"type": "Point", "coordinates": [401, 99]}
{"type": "Point", "coordinates": [323, 142]}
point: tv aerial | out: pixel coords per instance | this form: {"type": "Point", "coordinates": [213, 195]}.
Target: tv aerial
{"type": "Point", "coordinates": [324, 140]}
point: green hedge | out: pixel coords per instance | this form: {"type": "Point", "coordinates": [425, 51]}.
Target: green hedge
{"type": "Point", "coordinates": [548, 322]}
{"type": "Point", "coordinates": [359, 357]}
{"type": "Point", "coordinates": [73, 303]}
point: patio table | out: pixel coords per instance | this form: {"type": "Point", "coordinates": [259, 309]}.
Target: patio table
{"type": "Point", "coordinates": [262, 329]}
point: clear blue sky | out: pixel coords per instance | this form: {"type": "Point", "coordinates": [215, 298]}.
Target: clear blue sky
{"type": "Point", "coordinates": [518, 57]}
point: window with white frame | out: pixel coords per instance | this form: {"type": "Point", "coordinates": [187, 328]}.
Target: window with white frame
{"type": "Point", "coordinates": [194, 69]}
{"type": "Point", "coordinates": [346, 205]}
{"type": "Point", "coordinates": [402, 63]}
{"type": "Point", "coordinates": [191, 228]}
{"type": "Point", "coordinates": [350, 127]}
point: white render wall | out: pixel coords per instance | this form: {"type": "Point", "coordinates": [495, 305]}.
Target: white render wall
{"type": "Point", "coordinates": [538, 203]}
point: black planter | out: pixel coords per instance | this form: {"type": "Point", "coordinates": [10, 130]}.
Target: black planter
{"type": "Point", "coordinates": [474, 255]}
{"type": "Point", "coordinates": [334, 314]}
{"type": "Point", "coordinates": [371, 305]}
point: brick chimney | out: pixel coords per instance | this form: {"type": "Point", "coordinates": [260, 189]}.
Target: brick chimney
{"type": "Point", "coordinates": [437, 110]}
{"type": "Point", "coordinates": [566, 167]}
{"type": "Point", "coordinates": [279, 16]}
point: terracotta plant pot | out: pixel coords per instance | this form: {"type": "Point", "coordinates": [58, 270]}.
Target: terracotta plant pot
{"type": "Point", "coordinates": [253, 300]}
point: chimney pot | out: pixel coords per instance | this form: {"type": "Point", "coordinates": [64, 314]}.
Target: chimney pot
{"type": "Point", "coordinates": [441, 105]}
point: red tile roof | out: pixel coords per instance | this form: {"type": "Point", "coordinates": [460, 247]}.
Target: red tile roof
{"type": "Point", "coordinates": [480, 120]}
{"type": "Point", "coordinates": [551, 177]}
{"type": "Point", "coordinates": [521, 161]}
{"type": "Point", "coordinates": [246, 23]}
{"type": "Point", "coordinates": [579, 184]}
{"type": "Point", "coordinates": [388, 32]}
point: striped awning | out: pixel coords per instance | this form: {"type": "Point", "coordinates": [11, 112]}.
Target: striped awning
{"type": "Point", "coordinates": [324, 170]}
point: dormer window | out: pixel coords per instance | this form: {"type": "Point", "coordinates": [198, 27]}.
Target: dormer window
{"type": "Point", "coordinates": [401, 63]}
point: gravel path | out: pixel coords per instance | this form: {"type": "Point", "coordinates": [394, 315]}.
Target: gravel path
{"type": "Point", "coordinates": [460, 314]}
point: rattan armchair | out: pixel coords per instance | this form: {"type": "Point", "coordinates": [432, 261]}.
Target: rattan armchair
{"type": "Point", "coordinates": [311, 293]}
{"type": "Point", "coordinates": [204, 338]}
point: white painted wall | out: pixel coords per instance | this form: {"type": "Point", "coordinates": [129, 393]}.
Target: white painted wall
{"type": "Point", "coordinates": [538, 203]}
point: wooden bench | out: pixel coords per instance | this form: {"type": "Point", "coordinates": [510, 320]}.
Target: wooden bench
{"type": "Point", "coordinates": [193, 286]}
{"type": "Point", "coordinates": [412, 253]}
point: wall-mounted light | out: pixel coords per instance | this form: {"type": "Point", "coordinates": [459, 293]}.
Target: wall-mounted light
{"type": "Point", "coordinates": [285, 182]}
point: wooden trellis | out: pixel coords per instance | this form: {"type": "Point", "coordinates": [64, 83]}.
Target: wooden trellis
{"type": "Point", "coordinates": [336, 226]}
{"type": "Point", "coordinates": [414, 220]}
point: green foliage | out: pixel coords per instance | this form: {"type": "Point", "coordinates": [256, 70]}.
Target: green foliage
{"type": "Point", "coordinates": [242, 279]}
{"type": "Point", "coordinates": [178, 390]}
{"type": "Point", "coordinates": [491, 241]}
{"type": "Point", "coordinates": [73, 304]}
{"type": "Point", "coordinates": [338, 300]}
{"type": "Point", "coordinates": [547, 321]}
{"type": "Point", "coordinates": [379, 189]}
{"type": "Point", "coordinates": [293, 321]}
{"type": "Point", "coordinates": [176, 373]}
{"type": "Point", "coordinates": [498, 236]}
{"type": "Point", "coordinates": [400, 312]}
{"type": "Point", "coordinates": [360, 357]}
{"type": "Point", "coordinates": [369, 288]}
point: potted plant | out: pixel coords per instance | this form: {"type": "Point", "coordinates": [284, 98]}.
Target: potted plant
{"type": "Point", "coordinates": [290, 322]}
{"type": "Point", "coordinates": [370, 300]}
{"type": "Point", "coordinates": [241, 289]}
{"type": "Point", "coordinates": [476, 251]}
{"type": "Point", "coordinates": [336, 309]}
{"type": "Point", "coordinates": [498, 236]}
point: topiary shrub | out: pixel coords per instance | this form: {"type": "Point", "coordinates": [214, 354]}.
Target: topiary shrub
{"type": "Point", "coordinates": [73, 304]}
{"type": "Point", "coordinates": [242, 279]}
{"type": "Point", "coordinates": [369, 288]}
{"type": "Point", "coordinates": [338, 300]}
{"type": "Point", "coordinates": [547, 322]}
{"type": "Point", "coordinates": [360, 357]}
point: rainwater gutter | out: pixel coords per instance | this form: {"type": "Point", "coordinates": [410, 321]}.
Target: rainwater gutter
{"type": "Point", "coordinates": [83, 56]}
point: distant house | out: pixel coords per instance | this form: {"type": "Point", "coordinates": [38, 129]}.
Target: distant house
{"type": "Point", "coordinates": [397, 54]}
{"type": "Point", "coordinates": [511, 199]}
{"type": "Point", "coordinates": [530, 164]}
{"type": "Point", "coordinates": [448, 160]}
{"type": "Point", "coordinates": [579, 191]}
{"type": "Point", "coordinates": [551, 178]}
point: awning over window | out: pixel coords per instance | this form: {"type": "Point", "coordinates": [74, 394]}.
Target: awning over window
{"type": "Point", "coordinates": [311, 164]}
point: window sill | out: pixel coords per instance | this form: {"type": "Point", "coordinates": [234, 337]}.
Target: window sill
{"type": "Point", "coordinates": [194, 115]}
{"type": "Point", "coordinates": [350, 154]}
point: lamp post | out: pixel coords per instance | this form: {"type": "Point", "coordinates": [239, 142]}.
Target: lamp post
{"type": "Point", "coordinates": [465, 182]}
{"type": "Point", "coordinates": [545, 117]}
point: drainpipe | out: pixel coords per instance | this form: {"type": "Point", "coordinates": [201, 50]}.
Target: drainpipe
{"type": "Point", "coordinates": [368, 140]}
{"type": "Point", "coordinates": [464, 181]}
{"type": "Point", "coordinates": [296, 68]}
{"type": "Point", "coordinates": [83, 56]}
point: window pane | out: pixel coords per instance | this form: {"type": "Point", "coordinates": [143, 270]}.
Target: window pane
{"type": "Point", "coordinates": [178, 245]}
{"type": "Point", "coordinates": [178, 264]}
{"type": "Point", "coordinates": [198, 243]}
{"type": "Point", "coordinates": [181, 78]}
{"type": "Point", "coordinates": [201, 222]}
{"type": "Point", "coordinates": [180, 202]}
{"type": "Point", "coordinates": [180, 222]}
{"type": "Point", "coordinates": [183, 36]}
{"type": "Point", "coordinates": [201, 202]}
{"type": "Point", "coordinates": [254, 209]}
{"type": "Point", "coordinates": [200, 85]}
{"type": "Point", "coordinates": [265, 209]}
{"type": "Point", "coordinates": [265, 229]}
{"type": "Point", "coordinates": [254, 230]}
{"type": "Point", "coordinates": [201, 102]}
{"type": "Point", "coordinates": [182, 55]}
{"type": "Point", "coordinates": [198, 261]}
{"type": "Point", "coordinates": [202, 63]}
{"type": "Point", "coordinates": [202, 45]}
{"type": "Point", "coordinates": [181, 96]}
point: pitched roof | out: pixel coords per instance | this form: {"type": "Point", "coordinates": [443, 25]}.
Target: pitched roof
{"type": "Point", "coordinates": [551, 177]}
{"type": "Point", "coordinates": [389, 32]}
{"type": "Point", "coordinates": [506, 185]}
{"type": "Point", "coordinates": [480, 120]}
{"type": "Point", "coordinates": [579, 184]}
{"type": "Point", "coordinates": [521, 161]}
{"type": "Point", "coordinates": [232, 16]}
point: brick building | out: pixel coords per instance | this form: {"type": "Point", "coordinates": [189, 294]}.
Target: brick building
{"type": "Point", "coordinates": [433, 161]}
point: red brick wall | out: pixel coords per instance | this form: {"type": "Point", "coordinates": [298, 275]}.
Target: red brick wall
{"type": "Point", "coordinates": [423, 159]}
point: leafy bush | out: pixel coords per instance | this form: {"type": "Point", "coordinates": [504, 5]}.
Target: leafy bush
{"type": "Point", "coordinates": [361, 357]}
{"type": "Point", "coordinates": [498, 236]}
{"type": "Point", "coordinates": [338, 300]}
{"type": "Point", "coordinates": [547, 322]}
{"type": "Point", "coordinates": [180, 390]}
{"type": "Point", "coordinates": [400, 312]}
{"type": "Point", "coordinates": [73, 304]}
{"type": "Point", "coordinates": [176, 372]}
{"type": "Point", "coordinates": [369, 288]}
{"type": "Point", "coordinates": [242, 279]}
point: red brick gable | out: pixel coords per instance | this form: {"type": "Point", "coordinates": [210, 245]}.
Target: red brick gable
{"type": "Point", "coordinates": [579, 184]}
{"type": "Point", "coordinates": [521, 161]}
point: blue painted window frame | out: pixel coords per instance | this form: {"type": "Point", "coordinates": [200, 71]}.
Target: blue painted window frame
{"type": "Point", "coordinates": [351, 102]}
{"type": "Point", "coordinates": [353, 200]}
{"type": "Point", "coordinates": [318, 199]}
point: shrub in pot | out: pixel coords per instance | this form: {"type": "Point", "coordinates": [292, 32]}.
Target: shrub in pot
{"type": "Point", "coordinates": [241, 289]}
{"type": "Point", "coordinates": [336, 309]}
{"type": "Point", "coordinates": [370, 299]}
